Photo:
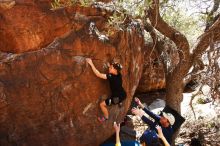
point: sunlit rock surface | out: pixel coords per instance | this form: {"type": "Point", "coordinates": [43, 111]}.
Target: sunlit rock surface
{"type": "Point", "coordinates": [49, 95]}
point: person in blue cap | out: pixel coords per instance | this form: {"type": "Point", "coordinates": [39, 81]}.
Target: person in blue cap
{"type": "Point", "coordinates": [148, 138]}
{"type": "Point", "coordinates": [165, 121]}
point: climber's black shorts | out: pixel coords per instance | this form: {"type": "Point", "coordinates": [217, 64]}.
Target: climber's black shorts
{"type": "Point", "coordinates": [113, 100]}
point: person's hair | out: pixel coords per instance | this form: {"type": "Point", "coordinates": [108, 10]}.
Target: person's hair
{"type": "Point", "coordinates": [117, 66]}
{"type": "Point", "coordinates": [155, 142]}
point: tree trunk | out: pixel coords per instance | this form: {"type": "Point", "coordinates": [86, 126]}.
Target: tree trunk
{"type": "Point", "coordinates": [174, 89]}
{"type": "Point", "coordinates": [174, 96]}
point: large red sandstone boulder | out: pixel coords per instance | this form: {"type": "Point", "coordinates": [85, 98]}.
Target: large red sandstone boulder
{"type": "Point", "coordinates": [50, 96]}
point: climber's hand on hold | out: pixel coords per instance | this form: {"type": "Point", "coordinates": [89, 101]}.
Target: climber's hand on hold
{"type": "Point", "coordinates": [97, 73]}
{"type": "Point", "coordinates": [89, 61]}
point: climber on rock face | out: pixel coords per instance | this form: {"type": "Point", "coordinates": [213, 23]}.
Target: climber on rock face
{"type": "Point", "coordinates": [118, 93]}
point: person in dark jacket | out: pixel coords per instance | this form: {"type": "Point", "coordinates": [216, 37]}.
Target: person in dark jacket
{"type": "Point", "coordinates": [165, 121]}
{"type": "Point", "coordinates": [118, 93]}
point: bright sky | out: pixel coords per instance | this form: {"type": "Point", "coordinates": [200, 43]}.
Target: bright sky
{"type": "Point", "coordinates": [193, 7]}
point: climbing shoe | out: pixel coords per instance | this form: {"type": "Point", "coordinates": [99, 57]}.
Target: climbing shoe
{"type": "Point", "coordinates": [102, 119]}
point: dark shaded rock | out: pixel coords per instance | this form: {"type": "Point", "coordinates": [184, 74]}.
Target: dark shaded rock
{"type": "Point", "coordinates": [153, 77]}
{"type": "Point", "coordinates": [191, 86]}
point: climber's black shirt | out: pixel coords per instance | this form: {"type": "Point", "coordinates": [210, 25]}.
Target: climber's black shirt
{"type": "Point", "coordinates": [115, 82]}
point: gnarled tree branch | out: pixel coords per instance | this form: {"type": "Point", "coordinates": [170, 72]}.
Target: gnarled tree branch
{"type": "Point", "coordinates": [211, 35]}
{"type": "Point", "coordinates": [177, 37]}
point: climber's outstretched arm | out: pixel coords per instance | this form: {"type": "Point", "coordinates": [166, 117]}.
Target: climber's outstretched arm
{"type": "Point", "coordinates": [97, 73]}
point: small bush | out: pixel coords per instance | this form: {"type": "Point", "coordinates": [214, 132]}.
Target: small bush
{"type": "Point", "coordinates": [201, 101]}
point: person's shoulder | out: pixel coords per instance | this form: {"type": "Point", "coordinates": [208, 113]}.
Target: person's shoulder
{"type": "Point", "coordinates": [170, 129]}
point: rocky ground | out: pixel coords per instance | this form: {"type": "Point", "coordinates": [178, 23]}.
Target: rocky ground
{"type": "Point", "coordinates": [205, 126]}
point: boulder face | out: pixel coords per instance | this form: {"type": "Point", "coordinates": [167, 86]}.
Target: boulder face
{"type": "Point", "coordinates": [153, 76]}
{"type": "Point", "coordinates": [50, 96]}
{"type": "Point", "coordinates": [29, 25]}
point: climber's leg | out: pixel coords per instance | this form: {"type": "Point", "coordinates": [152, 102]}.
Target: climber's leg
{"type": "Point", "coordinates": [104, 109]}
